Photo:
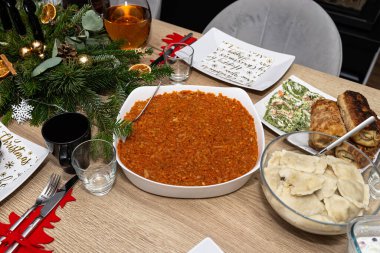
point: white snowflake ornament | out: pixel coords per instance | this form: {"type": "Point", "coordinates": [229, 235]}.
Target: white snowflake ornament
{"type": "Point", "coordinates": [22, 112]}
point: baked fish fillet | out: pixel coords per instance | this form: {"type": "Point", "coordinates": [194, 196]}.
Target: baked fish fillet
{"type": "Point", "coordinates": [325, 118]}
{"type": "Point", "coordinates": [354, 109]}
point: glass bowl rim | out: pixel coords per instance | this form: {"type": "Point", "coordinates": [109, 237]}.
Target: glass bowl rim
{"type": "Point", "coordinates": [263, 179]}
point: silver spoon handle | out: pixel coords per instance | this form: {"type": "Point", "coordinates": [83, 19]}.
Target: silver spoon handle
{"type": "Point", "coordinates": [146, 105]}
{"type": "Point", "coordinates": [348, 135]}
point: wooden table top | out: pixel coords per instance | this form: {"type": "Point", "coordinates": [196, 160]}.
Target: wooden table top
{"type": "Point", "coordinates": [131, 220]}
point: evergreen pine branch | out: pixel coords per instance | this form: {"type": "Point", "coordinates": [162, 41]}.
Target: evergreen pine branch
{"type": "Point", "coordinates": [77, 18]}
{"type": "Point", "coordinates": [8, 92]}
{"type": "Point", "coordinates": [63, 23]}
{"type": "Point", "coordinates": [122, 128]}
{"type": "Point", "coordinates": [107, 58]}
{"type": "Point", "coordinates": [7, 117]}
{"type": "Point", "coordinates": [39, 114]}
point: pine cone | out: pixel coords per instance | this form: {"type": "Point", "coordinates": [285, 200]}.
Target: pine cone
{"type": "Point", "coordinates": [67, 52]}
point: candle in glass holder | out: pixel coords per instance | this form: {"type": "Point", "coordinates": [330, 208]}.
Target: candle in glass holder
{"type": "Point", "coordinates": [129, 22]}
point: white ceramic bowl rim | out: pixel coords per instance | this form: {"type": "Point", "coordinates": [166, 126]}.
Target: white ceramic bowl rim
{"type": "Point", "coordinates": [279, 200]}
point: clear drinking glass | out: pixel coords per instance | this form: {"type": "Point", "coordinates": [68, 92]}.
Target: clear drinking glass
{"type": "Point", "coordinates": [129, 21]}
{"type": "Point", "coordinates": [95, 164]}
{"type": "Point", "coordinates": [179, 56]}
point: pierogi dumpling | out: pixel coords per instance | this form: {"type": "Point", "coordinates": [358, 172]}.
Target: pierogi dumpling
{"type": "Point", "coordinates": [305, 163]}
{"type": "Point", "coordinates": [329, 186]}
{"type": "Point", "coordinates": [344, 169]}
{"type": "Point", "coordinates": [301, 183]}
{"type": "Point", "coordinates": [354, 192]}
{"type": "Point", "coordinates": [340, 209]}
{"type": "Point", "coordinates": [307, 205]}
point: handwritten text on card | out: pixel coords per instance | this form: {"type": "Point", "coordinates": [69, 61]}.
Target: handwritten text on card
{"type": "Point", "coordinates": [233, 63]}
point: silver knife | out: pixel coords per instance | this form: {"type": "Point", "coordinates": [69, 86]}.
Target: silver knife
{"type": "Point", "coordinates": [49, 206]}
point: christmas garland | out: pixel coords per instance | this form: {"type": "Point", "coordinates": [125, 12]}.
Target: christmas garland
{"type": "Point", "coordinates": [76, 68]}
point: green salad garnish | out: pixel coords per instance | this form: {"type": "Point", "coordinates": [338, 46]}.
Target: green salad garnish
{"type": "Point", "coordinates": [289, 109]}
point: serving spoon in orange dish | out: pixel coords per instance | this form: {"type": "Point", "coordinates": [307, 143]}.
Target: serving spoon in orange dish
{"type": "Point", "coordinates": [150, 99]}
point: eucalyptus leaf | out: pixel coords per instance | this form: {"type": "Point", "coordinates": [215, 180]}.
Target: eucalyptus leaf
{"type": "Point", "coordinates": [103, 39]}
{"type": "Point", "coordinates": [77, 45]}
{"type": "Point", "coordinates": [91, 21]}
{"type": "Point", "coordinates": [49, 63]}
{"type": "Point", "coordinates": [57, 44]}
{"type": "Point", "coordinates": [75, 39]}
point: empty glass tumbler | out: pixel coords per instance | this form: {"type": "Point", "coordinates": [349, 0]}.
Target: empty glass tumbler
{"type": "Point", "coordinates": [95, 164]}
{"type": "Point", "coordinates": [179, 56]}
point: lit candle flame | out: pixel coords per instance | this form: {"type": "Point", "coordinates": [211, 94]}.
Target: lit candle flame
{"type": "Point", "coordinates": [125, 3]}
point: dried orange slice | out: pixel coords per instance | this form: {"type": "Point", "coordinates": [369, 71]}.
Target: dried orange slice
{"type": "Point", "coordinates": [4, 71]}
{"type": "Point", "coordinates": [48, 13]}
{"type": "Point", "coordinates": [141, 67]}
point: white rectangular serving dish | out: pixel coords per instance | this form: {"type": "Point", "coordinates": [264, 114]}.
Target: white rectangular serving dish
{"type": "Point", "coordinates": [261, 106]}
{"type": "Point", "coordinates": [40, 152]}
{"type": "Point", "coordinates": [144, 93]}
{"type": "Point", "coordinates": [214, 37]}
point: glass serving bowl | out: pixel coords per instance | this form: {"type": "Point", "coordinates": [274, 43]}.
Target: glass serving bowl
{"type": "Point", "coordinates": [299, 142]}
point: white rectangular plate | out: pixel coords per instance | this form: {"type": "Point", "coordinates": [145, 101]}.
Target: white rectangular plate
{"type": "Point", "coordinates": [207, 245]}
{"type": "Point", "coordinates": [209, 42]}
{"type": "Point", "coordinates": [40, 152]}
{"type": "Point", "coordinates": [261, 106]}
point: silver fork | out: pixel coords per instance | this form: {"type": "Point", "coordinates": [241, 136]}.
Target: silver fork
{"type": "Point", "coordinates": [46, 193]}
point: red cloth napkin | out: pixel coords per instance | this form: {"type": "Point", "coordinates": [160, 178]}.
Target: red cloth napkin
{"type": "Point", "coordinates": [33, 243]}
{"type": "Point", "coordinates": [173, 38]}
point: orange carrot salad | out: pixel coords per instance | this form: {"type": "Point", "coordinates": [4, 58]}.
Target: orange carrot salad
{"type": "Point", "coordinates": [190, 138]}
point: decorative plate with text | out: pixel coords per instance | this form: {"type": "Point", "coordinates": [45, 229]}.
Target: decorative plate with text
{"type": "Point", "coordinates": [19, 158]}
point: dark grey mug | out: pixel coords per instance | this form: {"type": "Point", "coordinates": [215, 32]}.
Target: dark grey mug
{"type": "Point", "coordinates": [62, 133]}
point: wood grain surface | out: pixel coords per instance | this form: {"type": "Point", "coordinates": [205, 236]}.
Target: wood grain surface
{"type": "Point", "coordinates": [131, 220]}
